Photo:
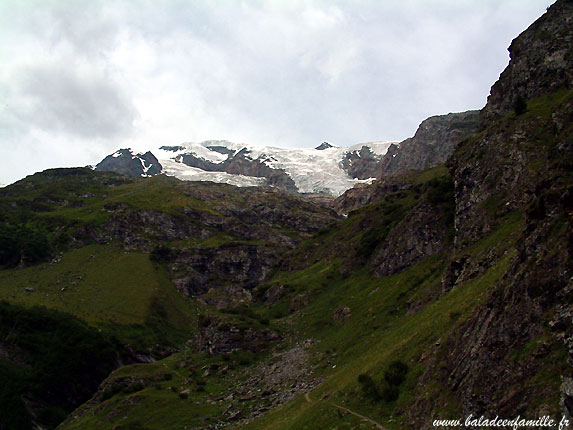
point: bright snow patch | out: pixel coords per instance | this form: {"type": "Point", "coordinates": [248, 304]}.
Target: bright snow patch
{"type": "Point", "coordinates": [312, 171]}
{"type": "Point", "coordinates": [144, 167]}
{"type": "Point", "coordinates": [378, 148]}
{"type": "Point", "coordinates": [187, 173]}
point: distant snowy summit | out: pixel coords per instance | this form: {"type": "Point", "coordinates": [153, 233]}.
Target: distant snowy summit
{"type": "Point", "coordinates": [325, 169]}
{"type": "Point", "coordinates": [127, 162]}
{"type": "Point", "coordinates": [324, 145]}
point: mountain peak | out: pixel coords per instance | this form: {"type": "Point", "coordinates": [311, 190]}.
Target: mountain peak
{"type": "Point", "coordinates": [127, 162]}
{"type": "Point", "coordinates": [324, 145]}
{"type": "Point", "coordinates": [541, 62]}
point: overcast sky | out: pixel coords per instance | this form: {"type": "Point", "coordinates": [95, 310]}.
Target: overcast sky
{"type": "Point", "coordinates": [80, 79]}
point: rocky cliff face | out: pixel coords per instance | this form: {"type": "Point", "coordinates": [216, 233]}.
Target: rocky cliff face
{"type": "Point", "coordinates": [239, 239]}
{"type": "Point", "coordinates": [361, 163]}
{"type": "Point", "coordinates": [422, 234]}
{"type": "Point", "coordinates": [500, 163]}
{"type": "Point", "coordinates": [541, 62]}
{"type": "Point", "coordinates": [241, 164]}
{"type": "Point", "coordinates": [432, 144]}
{"type": "Point", "coordinates": [490, 187]}
{"type": "Point", "coordinates": [214, 237]}
{"type": "Point", "coordinates": [519, 167]}
{"type": "Point", "coordinates": [126, 162]}
{"type": "Point", "coordinates": [364, 194]}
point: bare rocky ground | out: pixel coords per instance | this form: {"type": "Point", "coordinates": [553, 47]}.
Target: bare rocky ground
{"type": "Point", "coordinates": [270, 384]}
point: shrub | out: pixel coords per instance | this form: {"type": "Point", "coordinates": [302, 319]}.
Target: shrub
{"type": "Point", "coordinates": [396, 373]}
{"type": "Point", "coordinates": [520, 105]}
{"type": "Point", "coordinates": [204, 320]}
{"type": "Point", "coordinates": [243, 358]}
{"type": "Point", "coordinates": [134, 387]}
{"type": "Point", "coordinates": [389, 389]}
{"type": "Point", "coordinates": [21, 244]}
{"type": "Point", "coordinates": [390, 393]}
{"type": "Point", "coordinates": [110, 391]}
{"type": "Point", "coordinates": [369, 388]}
{"type": "Point", "coordinates": [161, 254]}
{"type": "Point", "coordinates": [440, 190]}
{"type": "Point", "coordinates": [370, 240]}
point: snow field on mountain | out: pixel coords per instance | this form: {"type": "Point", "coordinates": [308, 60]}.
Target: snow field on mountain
{"type": "Point", "coordinates": [312, 170]}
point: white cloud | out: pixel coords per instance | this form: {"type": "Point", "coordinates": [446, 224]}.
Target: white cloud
{"type": "Point", "coordinates": [78, 101]}
{"type": "Point", "coordinates": [80, 79]}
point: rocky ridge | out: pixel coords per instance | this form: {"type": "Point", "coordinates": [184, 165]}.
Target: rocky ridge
{"type": "Point", "coordinates": [432, 144]}
{"type": "Point", "coordinates": [520, 164]}
{"type": "Point", "coordinates": [326, 170]}
{"type": "Point", "coordinates": [126, 162]}
{"type": "Point", "coordinates": [241, 164]}
{"type": "Point", "coordinates": [361, 163]}
{"type": "Point", "coordinates": [541, 62]}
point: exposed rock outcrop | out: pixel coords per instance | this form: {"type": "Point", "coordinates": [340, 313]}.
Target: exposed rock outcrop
{"type": "Point", "coordinates": [362, 163]}
{"type": "Point", "coordinates": [128, 163]}
{"type": "Point", "coordinates": [498, 164]}
{"type": "Point", "coordinates": [222, 337]}
{"type": "Point", "coordinates": [541, 62]}
{"type": "Point", "coordinates": [241, 164]}
{"type": "Point", "coordinates": [432, 144]}
{"type": "Point", "coordinates": [363, 194]}
{"type": "Point", "coordinates": [422, 234]}
{"type": "Point", "coordinates": [236, 264]}
{"type": "Point", "coordinates": [251, 226]}
{"type": "Point", "coordinates": [323, 145]}
{"type": "Point", "coordinates": [519, 166]}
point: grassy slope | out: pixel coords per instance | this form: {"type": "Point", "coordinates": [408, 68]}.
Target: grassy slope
{"type": "Point", "coordinates": [374, 339]}
{"type": "Point", "coordinates": [104, 286]}
{"type": "Point", "coordinates": [400, 317]}
{"type": "Point", "coordinates": [380, 331]}
{"type": "Point", "coordinates": [120, 293]}
{"type": "Point", "coordinates": [156, 400]}
{"type": "Point", "coordinates": [391, 318]}
{"type": "Point", "coordinates": [58, 205]}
